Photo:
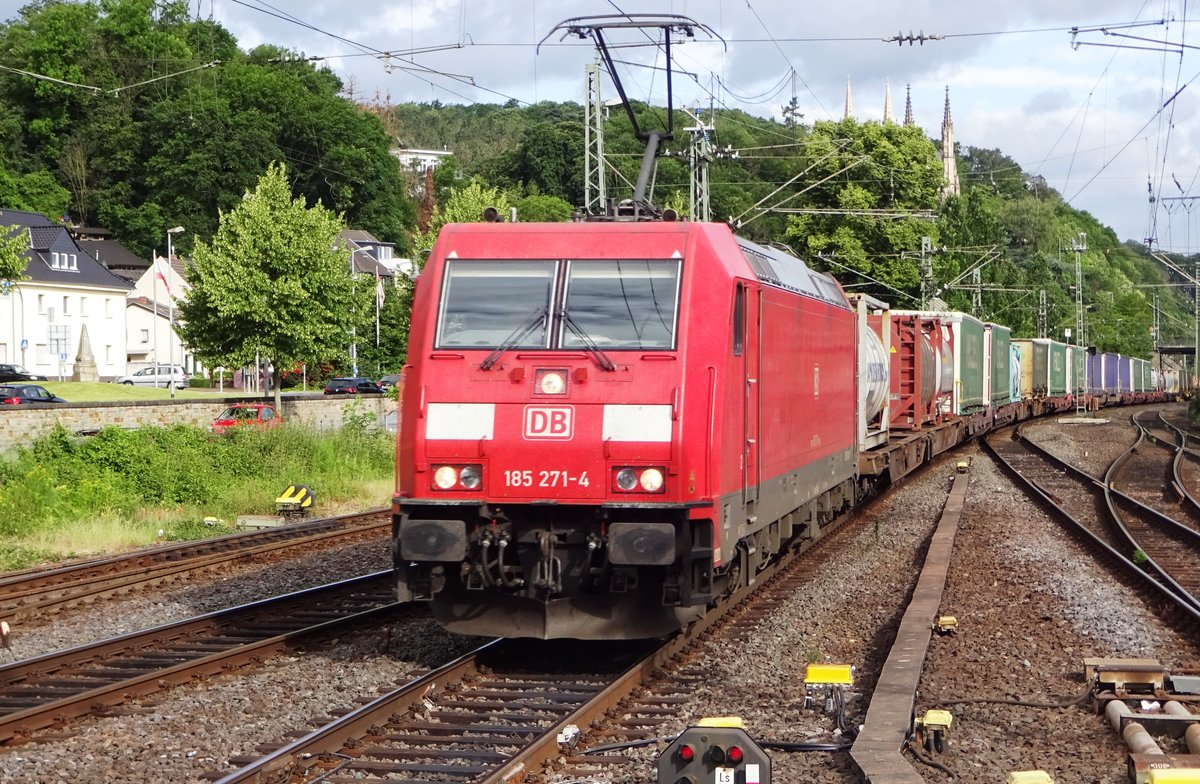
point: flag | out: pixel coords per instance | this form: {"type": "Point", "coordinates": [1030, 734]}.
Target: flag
{"type": "Point", "coordinates": [378, 290]}
{"type": "Point", "coordinates": [160, 272]}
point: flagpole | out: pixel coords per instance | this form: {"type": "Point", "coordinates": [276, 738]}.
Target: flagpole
{"type": "Point", "coordinates": [170, 310]}
{"type": "Point", "coordinates": [154, 282]}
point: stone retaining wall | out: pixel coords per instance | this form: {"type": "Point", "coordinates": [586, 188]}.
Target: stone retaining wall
{"type": "Point", "coordinates": [20, 425]}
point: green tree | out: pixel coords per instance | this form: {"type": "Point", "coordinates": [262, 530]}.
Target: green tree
{"type": "Point", "coordinates": [859, 169]}
{"type": "Point", "coordinates": [271, 284]}
{"type": "Point", "coordinates": [465, 205]}
{"type": "Point", "coordinates": [13, 260]}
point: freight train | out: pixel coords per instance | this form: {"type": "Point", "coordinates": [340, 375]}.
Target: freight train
{"type": "Point", "coordinates": [607, 426]}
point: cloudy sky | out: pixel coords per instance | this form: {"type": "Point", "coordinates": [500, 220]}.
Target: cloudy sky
{"type": "Point", "coordinates": [1089, 118]}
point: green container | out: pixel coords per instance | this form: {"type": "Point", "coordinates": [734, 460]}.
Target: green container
{"type": "Point", "coordinates": [1141, 375]}
{"type": "Point", "coordinates": [1057, 379]}
{"type": "Point", "coordinates": [999, 363]}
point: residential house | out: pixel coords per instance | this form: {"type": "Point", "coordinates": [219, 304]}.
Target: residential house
{"type": "Point", "coordinates": [65, 288]}
{"type": "Point", "coordinates": [100, 245]}
{"type": "Point", "coordinates": [420, 161]}
{"type": "Point", "coordinates": [373, 256]}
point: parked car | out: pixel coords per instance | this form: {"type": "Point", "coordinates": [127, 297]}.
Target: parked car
{"type": "Point", "coordinates": [246, 415]}
{"type": "Point", "coordinates": [389, 381]}
{"type": "Point", "coordinates": [157, 376]}
{"type": "Point", "coordinates": [16, 394]}
{"type": "Point", "coordinates": [18, 373]}
{"type": "Point", "coordinates": [350, 386]}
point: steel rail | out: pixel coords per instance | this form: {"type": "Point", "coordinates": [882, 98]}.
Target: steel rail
{"type": "Point", "coordinates": [30, 593]}
{"type": "Point", "coordinates": [1183, 455]}
{"type": "Point", "coordinates": [1162, 585]}
{"type": "Point", "coordinates": [1170, 548]}
{"type": "Point", "coordinates": [45, 690]}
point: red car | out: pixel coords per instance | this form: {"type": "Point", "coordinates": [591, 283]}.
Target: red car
{"type": "Point", "coordinates": [246, 415]}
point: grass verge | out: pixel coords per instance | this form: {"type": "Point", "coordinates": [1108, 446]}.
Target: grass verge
{"type": "Point", "coordinates": [65, 496]}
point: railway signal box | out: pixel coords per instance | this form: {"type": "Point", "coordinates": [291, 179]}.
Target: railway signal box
{"type": "Point", "coordinates": [715, 751]}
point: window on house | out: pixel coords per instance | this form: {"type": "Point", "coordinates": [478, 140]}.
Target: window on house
{"type": "Point", "coordinates": [83, 306]}
{"type": "Point", "coordinates": [41, 303]}
{"type": "Point", "coordinates": [384, 252]}
{"type": "Point", "coordinates": [145, 336]}
{"type": "Point", "coordinates": [66, 311]}
{"type": "Point", "coordinates": [74, 262]}
{"type": "Point", "coordinates": [108, 355]}
{"type": "Point", "coordinates": [107, 308]}
{"type": "Point", "coordinates": [42, 352]}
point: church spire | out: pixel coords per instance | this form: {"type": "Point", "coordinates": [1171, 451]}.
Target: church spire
{"type": "Point", "coordinates": [849, 101]}
{"type": "Point", "coordinates": [908, 118]}
{"type": "Point", "coordinates": [949, 162]}
{"type": "Point", "coordinates": [887, 102]}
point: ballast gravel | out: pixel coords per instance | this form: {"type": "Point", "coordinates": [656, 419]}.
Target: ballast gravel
{"type": "Point", "coordinates": [234, 585]}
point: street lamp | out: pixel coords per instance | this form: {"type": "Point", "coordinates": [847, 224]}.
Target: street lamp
{"type": "Point", "coordinates": [171, 317]}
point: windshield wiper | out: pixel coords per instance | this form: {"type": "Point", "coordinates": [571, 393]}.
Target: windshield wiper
{"type": "Point", "coordinates": [514, 337]}
{"type": "Point", "coordinates": [601, 358]}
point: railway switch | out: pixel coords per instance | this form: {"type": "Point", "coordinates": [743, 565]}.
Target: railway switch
{"type": "Point", "coordinates": [1028, 777]}
{"type": "Point", "coordinates": [931, 729]}
{"type": "Point", "coordinates": [714, 751]}
{"type": "Point", "coordinates": [945, 624]}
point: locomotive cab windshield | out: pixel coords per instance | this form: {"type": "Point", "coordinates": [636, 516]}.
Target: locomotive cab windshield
{"type": "Point", "coordinates": [595, 304]}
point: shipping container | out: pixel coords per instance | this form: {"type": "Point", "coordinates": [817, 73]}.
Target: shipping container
{"type": "Point", "coordinates": [1056, 380]}
{"type": "Point", "coordinates": [1035, 364]}
{"type": "Point", "coordinates": [1014, 370]}
{"type": "Point", "coordinates": [998, 342]}
{"type": "Point", "coordinates": [1095, 373]}
{"type": "Point", "coordinates": [1124, 374]}
{"type": "Point", "coordinates": [964, 336]}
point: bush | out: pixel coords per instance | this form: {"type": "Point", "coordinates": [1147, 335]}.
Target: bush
{"type": "Point", "coordinates": [199, 382]}
{"type": "Point", "coordinates": [182, 469]}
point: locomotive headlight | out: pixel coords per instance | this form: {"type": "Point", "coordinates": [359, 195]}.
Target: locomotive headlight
{"type": "Point", "coordinates": [471, 477]}
{"type": "Point", "coordinates": [552, 382]}
{"type": "Point", "coordinates": [627, 479]}
{"type": "Point", "coordinates": [651, 480]}
{"type": "Point", "coordinates": [446, 477]}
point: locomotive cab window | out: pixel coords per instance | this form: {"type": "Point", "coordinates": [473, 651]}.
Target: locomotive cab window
{"type": "Point", "coordinates": [620, 304]}
{"type": "Point", "coordinates": [488, 303]}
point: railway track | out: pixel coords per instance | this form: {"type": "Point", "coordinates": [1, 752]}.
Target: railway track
{"type": "Point", "coordinates": [33, 593]}
{"type": "Point", "coordinates": [513, 707]}
{"type": "Point", "coordinates": [1186, 466]}
{"type": "Point", "coordinates": [1142, 540]}
{"type": "Point", "coordinates": [1149, 471]}
{"type": "Point", "coordinates": [46, 690]}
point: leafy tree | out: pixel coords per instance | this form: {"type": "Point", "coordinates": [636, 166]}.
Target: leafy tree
{"type": "Point", "coordinates": [539, 207]}
{"type": "Point", "coordinates": [271, 283]}
{"type": "Point", "coordinates": [463, 206]}
{"type": "Point", "coordinates": [856, 170]}
{"type": "Point", "coordinates": [13, 260]}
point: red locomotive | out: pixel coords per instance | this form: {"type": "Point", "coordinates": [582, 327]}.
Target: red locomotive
{"type": "Point", "coordinates": [607, 425]}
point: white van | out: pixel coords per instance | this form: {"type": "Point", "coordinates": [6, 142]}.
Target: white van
{"type": "Point", "coordinates": [157, 376]}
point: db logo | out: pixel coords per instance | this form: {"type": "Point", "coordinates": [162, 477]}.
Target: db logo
{"type": "Point", "coordinates": [545, 422]}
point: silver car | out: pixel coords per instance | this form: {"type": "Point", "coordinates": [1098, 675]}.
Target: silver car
{"type": "Point", "coordinates": [157, 376]}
